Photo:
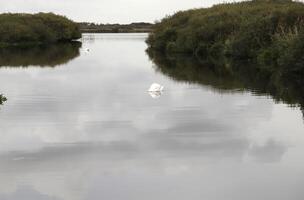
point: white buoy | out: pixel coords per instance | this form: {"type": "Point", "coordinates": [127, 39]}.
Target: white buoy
{"type": "Point", "coordinates": [155, 87]}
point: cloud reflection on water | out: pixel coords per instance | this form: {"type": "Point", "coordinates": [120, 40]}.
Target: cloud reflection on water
{"type": "Point", "coordinates": [76, 132]}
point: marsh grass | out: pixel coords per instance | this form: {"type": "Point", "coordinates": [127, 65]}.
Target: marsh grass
{"type": "Point", "coordinates": [269, 33]}
{"type": "Point", "coordinates": [28, 29]}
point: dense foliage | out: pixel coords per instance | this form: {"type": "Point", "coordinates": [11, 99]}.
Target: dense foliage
{"type": "Point", "coordinates": [271, 32]}
{"type": "Point", "coordinates": [36, 28]}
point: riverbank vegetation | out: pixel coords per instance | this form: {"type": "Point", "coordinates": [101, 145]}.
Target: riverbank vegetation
{"type": "Point", "coordinates": [140, 27]}
{"type": "Point", "coordinates": [25, 29]}
{"type": "Point", "coordinates": [267, 32]}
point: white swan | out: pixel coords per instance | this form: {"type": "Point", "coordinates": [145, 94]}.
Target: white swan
{"type": "Point", "coordinates": [155, 87]}
{"type": "Point", "coordinates": [156, 90]}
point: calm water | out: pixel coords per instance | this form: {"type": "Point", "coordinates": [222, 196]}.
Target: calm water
{"type": "Point", "coordinates": [81, 126]}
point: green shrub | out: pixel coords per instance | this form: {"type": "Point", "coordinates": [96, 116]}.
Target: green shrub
{"type": "Point", "coordinates": [36, 28]}
{"type": "Point", "coordinates": [269, 32]}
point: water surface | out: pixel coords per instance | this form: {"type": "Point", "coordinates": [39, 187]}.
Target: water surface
{"type": "Point", "coordinates": [81, 126]}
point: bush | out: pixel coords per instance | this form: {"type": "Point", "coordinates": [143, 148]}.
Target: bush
{"type": "Point", "coordinates": [270, 32]}
{"type": "Point", "coordinates": [36, 28]}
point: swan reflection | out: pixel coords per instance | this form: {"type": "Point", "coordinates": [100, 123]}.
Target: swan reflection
{"type": "Point", "coordinates": [155, 94]}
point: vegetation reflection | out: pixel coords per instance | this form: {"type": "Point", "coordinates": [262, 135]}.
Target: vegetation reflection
{"type": "Point", "coordinates": [2, 99]}
{"type": "Point", "coordinates": [48, 55]}
{"type": "Point", "coordinates": [230, 75]}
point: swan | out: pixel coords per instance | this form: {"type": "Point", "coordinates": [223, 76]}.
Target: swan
{"type": "Point", "coordinates": [155, 90]}
{"type": "Point", "coordinates": [155, 87]}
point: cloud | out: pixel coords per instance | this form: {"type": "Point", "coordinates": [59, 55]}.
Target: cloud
{"type": "Point", "coordinates": [26, 193]}
{"type": "Point", "coordinates": [271, 151]}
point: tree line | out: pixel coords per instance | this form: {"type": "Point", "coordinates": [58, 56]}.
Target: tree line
{"type": "Point", "coordinates": [139, 27]}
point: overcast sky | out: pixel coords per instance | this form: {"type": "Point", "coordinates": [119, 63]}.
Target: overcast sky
{"type": "Point", "coordinates": [106, 11]}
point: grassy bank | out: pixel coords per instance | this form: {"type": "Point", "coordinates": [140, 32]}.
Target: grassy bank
{"type": "Point", "coordinates": [270, 32]}
{"type": "Point", "coordinates": [28, 29]}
